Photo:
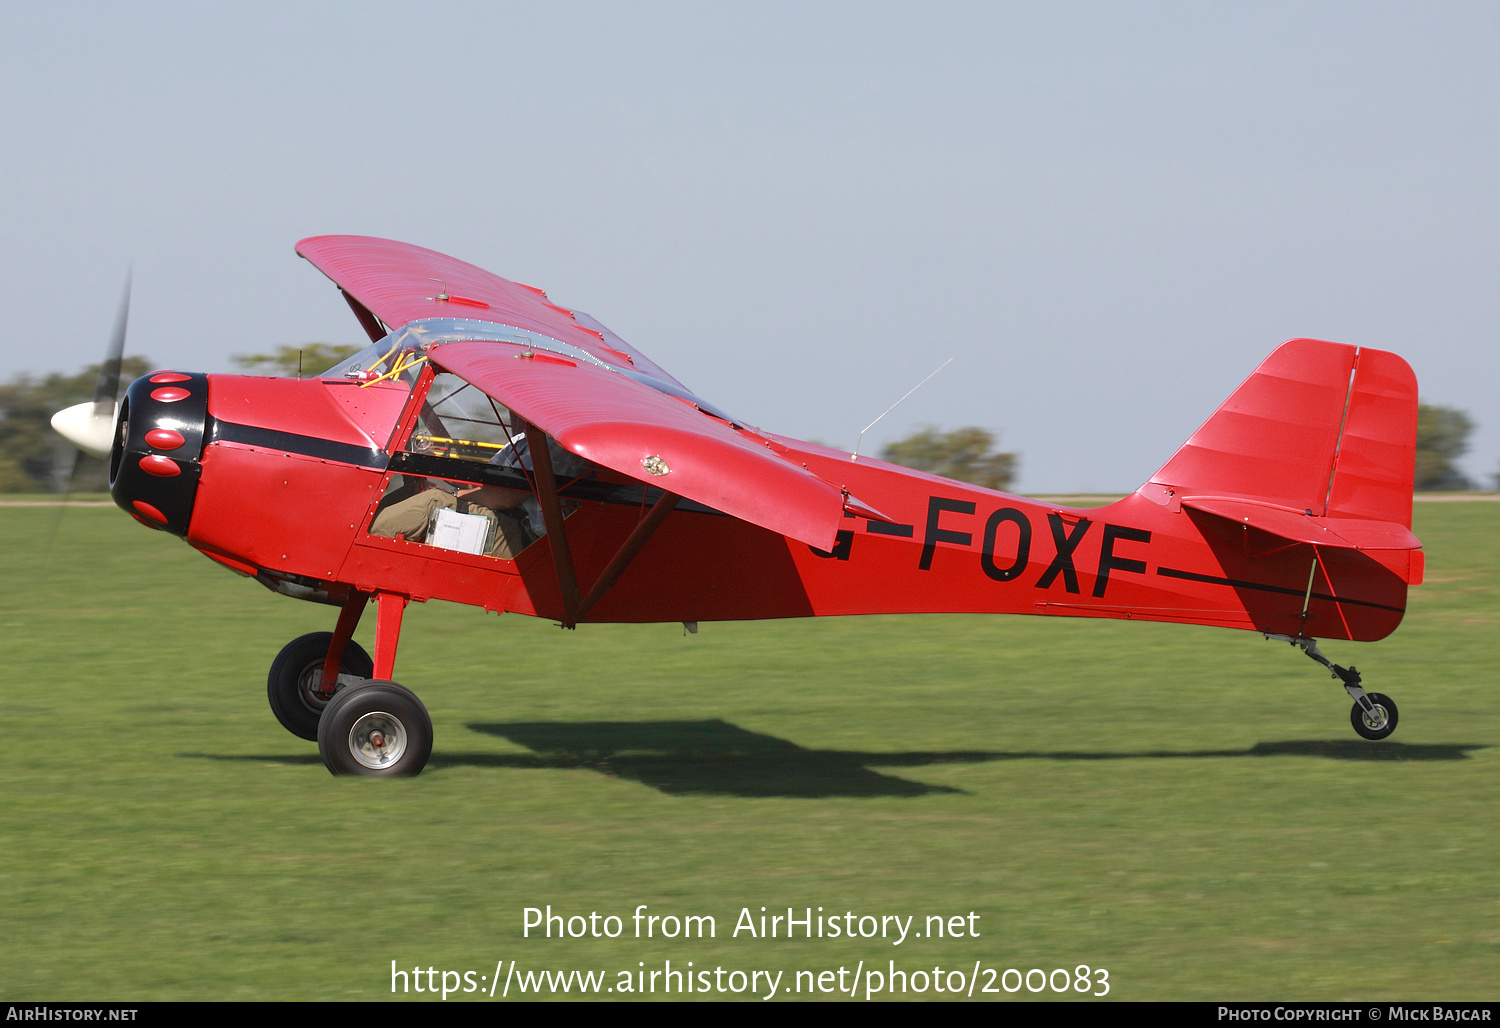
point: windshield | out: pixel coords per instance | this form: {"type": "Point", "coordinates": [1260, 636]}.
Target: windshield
{"type": "Point", "coordinates": [404, 349]}
{"type": "Point", "coordinates": [460, 420]}
{"type": "Point", "coordinates": [418, 335]}
{"type": "Point", "coordinates": [390, 359]}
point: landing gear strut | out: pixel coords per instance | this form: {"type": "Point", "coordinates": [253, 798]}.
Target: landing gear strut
{"type": "Point", "coordinates": [325, 687]}
{"type": "Point", "coordinates": [1374, 714]}
{"type": "Point", "coordinates": [294, 686]}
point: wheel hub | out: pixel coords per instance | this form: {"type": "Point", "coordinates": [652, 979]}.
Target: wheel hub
{"type": "Point", "coordinates": [309, 686]}
{"type": "Point", "coordinates": [377, 740]}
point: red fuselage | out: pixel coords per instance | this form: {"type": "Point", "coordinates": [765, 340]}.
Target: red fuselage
{"type": "Point", "coordinates": [290, 473]}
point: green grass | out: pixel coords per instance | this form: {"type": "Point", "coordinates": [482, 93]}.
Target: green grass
{"type": "Point", "coordinates": [16, 499]}
{"type": "Point", "coordinates": [1186, 807]}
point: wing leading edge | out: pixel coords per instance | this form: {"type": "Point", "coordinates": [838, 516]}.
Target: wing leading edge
{"type": "Point", "coordinates": [400, 283]}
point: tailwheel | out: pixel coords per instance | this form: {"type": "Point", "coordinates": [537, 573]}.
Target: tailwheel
{"type": "Point", "coordinates": [377, 729]}
{"type": "Point", "coordinates": [1377, 722]}
{"type": "Point", "coordinates": [296, 674]}
{"type": "Point", "coordinates": [1374, 714]}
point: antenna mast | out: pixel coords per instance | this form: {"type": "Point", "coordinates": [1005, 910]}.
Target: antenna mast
{"type": "Point", "coordinates": [919, 385]}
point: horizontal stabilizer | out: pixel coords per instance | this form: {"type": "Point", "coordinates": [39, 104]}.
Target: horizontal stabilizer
{"type": "Point", "coordinates": [1301, 527]}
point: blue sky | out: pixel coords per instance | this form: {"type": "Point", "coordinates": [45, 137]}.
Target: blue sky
{"type": "Point", "coordinates": [1106, 213]}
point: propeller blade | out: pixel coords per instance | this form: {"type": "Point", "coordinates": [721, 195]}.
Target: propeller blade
{"type": "Point", "coordinates": [108, 385]}
{"type": "Point", "coordinates": [65, 460]}
{"type": "Point", "coordinates": [65, 464]}
{"type": "Point", "coordinates": [90, 426]}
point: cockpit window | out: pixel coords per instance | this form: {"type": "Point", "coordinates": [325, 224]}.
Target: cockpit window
{"type": "Point", "coordinates": [459, 420]}
{"type": "Point", "coordinates": [466, 469]}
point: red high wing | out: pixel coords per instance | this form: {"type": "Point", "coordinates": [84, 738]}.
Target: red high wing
{"type": "Point", "coordinates": [652, 437]}
{"type": "Point", "coordinates": [399, 283]}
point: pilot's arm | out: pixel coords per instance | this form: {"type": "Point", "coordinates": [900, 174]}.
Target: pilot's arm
{"type": "Point", "coordinates": [494, 497]}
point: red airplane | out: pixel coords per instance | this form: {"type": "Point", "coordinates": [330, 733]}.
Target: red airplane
{"type": "Point", "coordinates": [493, 448]}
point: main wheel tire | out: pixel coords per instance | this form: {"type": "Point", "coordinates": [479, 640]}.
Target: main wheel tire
{"type": "Point", "coordinates": [1379, 726]}
{"type": "Point", "coordinates": [377, 728]}
{"type": "Point", "coordinates": [292, 686]}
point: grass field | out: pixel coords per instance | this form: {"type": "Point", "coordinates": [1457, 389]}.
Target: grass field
{"type": "Point", "coordinates": [1185, 807]}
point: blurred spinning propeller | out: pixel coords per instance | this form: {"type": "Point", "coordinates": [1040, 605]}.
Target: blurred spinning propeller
{"type": "Point", "coordinates": [90, 426]}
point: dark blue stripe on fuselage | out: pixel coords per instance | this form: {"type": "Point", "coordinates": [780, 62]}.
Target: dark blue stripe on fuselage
{"type": "Point", "coordinates": [291, 442]}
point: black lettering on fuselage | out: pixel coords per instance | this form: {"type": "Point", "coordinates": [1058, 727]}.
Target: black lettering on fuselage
{"type": "Point", "coordinates": [1066, 544]}
{"type": "Point", "coordinates": [842, 544]}
{"type": "Point", "coordinates": [1108, 560]}
{"type": "Point", "coordinates": [936, 505]}
{"type": "Point", "coordinates": [1023, 544]}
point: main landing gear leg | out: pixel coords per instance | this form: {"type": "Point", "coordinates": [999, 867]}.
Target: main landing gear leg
{"type": "Point", "coordinates": [309, 669]}
{"type": "Point", "coordinates": [377, 727]}
{"type": "Point", "coordinates": [389, 608]}
{"type": "Point", "coordinates": [348, 621]}
{"type": "Point", "coordinates": [1374, 714]}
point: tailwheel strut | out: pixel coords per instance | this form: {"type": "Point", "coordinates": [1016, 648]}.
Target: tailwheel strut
{"type": "Point", "coordinates": [1374, 714]}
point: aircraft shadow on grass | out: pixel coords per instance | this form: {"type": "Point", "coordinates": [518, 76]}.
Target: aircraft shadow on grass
{"type": "Point", "coordinates": [717, 758]}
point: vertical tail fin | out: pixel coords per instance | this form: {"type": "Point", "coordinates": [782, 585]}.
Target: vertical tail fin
{"type": "Point", "coordinates": [1322, 428]}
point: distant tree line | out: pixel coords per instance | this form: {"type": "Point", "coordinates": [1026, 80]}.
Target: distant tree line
{"type": "Point", "coordinates": [31, 454]}
{"type": "Point", "coordinates": [35, 459]}
{"type": "Point", "coordinates": [965, 454]}
{"type": "Point", "coordinates": [1442, 438]}
{"type": "Point", "coordinates": [288, 361]}
{"type": "Point", "coordinates": [968, 454]}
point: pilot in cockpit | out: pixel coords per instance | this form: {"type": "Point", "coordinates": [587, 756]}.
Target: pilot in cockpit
{"type": "Point", "coordinates": [413, 518]}
{"type": "Point", "coordinates": [514, 515]}
{"type": "Point", "coordinates": [566, 468]}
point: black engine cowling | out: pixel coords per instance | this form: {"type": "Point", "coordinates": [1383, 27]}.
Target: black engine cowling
{"type": "Point", "coordinates": [159, 436]}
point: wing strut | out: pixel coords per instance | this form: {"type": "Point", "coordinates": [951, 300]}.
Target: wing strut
{"type": "Point", "coordinates": [621, 560]}
{"type": "Point", "coordinates": [371, 324]}
{"type": "Point", "coordinates": [574, 608]}
{"type": "Point", "coordinates": [552, 516]}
